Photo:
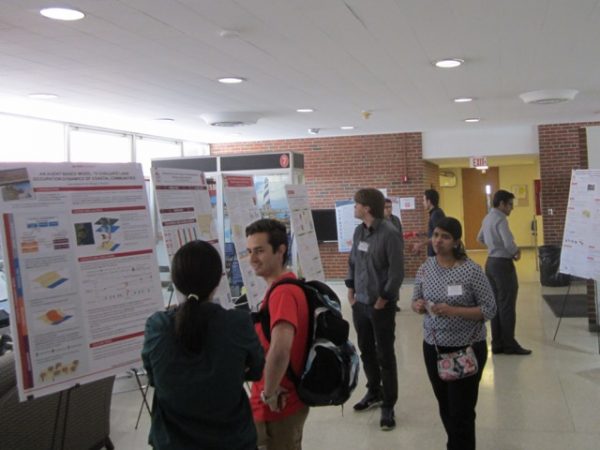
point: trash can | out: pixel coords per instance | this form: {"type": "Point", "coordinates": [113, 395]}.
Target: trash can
{"type": "Point", "coordinates": [549, 265]}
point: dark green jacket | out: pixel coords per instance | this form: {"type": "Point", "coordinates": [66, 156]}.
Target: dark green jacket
{"type": "Point", "coordinates": [199, 399]}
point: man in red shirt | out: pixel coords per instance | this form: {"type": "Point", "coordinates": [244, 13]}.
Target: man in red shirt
{"type": "Point", "coordinates": [279, 415]}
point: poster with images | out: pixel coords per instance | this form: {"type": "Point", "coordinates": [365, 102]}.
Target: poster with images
{"type": "Point", "coordinates": [305, 236]}
{"type": "Point", "coordinates": [242, 210]}
{"type": "Point", "coordinates": [83, 276]}
{"type": "Point", "coordinates": [580, 253]}
{"type": "Point", "coordinates": [186, 214]}
{"type": "Point", "coordinates": [346, 224]}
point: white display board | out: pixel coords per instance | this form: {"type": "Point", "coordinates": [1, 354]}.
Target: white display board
{"type": "Point", "coordinates": [242, 210]}
{"type": "Point", "coordinates": [186, 214]}
{"type": "Point", "coordinates": [580, 255]}
{"type": "Point", "coordinates": [303, 230]}
{"type": "Point", "coordinates": [83, 276]}
{"type": "Point", "coordinates": [346, 224]}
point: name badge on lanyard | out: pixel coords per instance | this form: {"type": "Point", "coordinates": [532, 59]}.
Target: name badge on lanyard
{"type": "Point", "coordinates": [363, 246]}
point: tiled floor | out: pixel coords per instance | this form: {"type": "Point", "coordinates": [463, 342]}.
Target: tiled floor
{"type": "Point", "coordinates": [549, 400]}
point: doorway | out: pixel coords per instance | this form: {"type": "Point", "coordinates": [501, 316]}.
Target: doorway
{"type": "Point", "coordinates": [475, 205]}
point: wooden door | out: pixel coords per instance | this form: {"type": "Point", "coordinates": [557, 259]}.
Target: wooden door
{"type": "Point", "coordinates": [475, 201]}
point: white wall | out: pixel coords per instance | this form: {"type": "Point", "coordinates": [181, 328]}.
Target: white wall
{"type": "Point", "coordinates": [497, 141]}
{"type": "Point", "coordinates": [593, 147]}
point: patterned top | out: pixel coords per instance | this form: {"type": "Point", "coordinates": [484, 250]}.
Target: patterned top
{"type": "Point", "coordinates": [461, 285]}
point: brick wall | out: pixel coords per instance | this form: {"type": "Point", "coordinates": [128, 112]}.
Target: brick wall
{"type": "Point", "coordinates": [563, 147]}
{"type": "Point", "coordinates": [334, 168]}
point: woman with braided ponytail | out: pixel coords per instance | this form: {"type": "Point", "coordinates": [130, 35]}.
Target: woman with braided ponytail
{"type": "Point", "coordinates": [197, 357]}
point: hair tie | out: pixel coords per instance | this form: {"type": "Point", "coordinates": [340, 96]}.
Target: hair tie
{"type": "Point", "coordinates": [192, 297]}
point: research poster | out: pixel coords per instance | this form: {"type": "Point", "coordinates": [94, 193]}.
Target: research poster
{"type": "Point", "coordinates": [303, 229]}
{"type": "Point", "coordinates": [346, 223]}
{"type": "Point", "coordinates": [186, 214]}
{"type": "Point", "coordinates": [83, 276]}
{"type": "Point", "coordinates": [242, 210]}
{"type": "Point", "coordinates": [580, 254]}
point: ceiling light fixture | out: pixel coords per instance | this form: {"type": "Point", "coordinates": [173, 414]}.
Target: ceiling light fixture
{"type": "Point", "coordinates": [450, 63]}
{"type": "Point", "coordinates": [305, 110]}
{"type": "Point", "coordinates": [231, 80]}
{"type": "Point", "coordinates": [62, 14]}
{"type": "Point", "coordinates": [348, 127]}
{"type": "Point", "coordinates": [463, 99]}
{"type": "Point", "coordinates": [314, 130]}
{"type": "Point", "coordinates": [472, 120]}
{"type": "Point", "coordinates": [549, 96]}
{"type": "Point", "coordinates": [42, 96]}
{"type": "Point", "coordinates": [230, 119]}
{"type": "Point", "coordinates": [165, 119]}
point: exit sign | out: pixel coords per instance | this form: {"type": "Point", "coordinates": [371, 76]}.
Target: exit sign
{"type": "Point", "coordinates": [478, 162]}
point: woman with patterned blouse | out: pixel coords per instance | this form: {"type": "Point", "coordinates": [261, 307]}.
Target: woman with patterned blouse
{"type": "Point", "coordinates": [455, 296]}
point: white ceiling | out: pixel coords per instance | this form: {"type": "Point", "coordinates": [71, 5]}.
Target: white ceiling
{"type": "Point", "coordinates": [138, 60]}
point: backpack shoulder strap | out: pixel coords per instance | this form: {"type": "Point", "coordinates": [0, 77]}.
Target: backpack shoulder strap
{"type": "Point", "coordinates": [264, 316]}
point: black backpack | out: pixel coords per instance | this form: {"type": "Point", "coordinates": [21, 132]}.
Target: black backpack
{"type": "Point", "coordinates": [332, 364]}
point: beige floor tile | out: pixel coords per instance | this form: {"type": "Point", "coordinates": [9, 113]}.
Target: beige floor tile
{"type": "Point", "coordinates": [548, 400]}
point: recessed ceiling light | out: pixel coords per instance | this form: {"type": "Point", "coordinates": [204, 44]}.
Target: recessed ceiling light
{"type": "Point", "coordinates": [463, 100]}
{"type": "Point", "coordinates": [472, 120]}
{"type": "Point", "coordinates": [348, 127]}
{"type": "Point", "coordinates": [305, 110]}
{"type": "Point", "coordinates": [231, 80]}
{"type": "Point", "coordinates": [165, 119]}
{"type": "Point", "coordinates": [449, 63]}
{"type": "Point", "coordinates": [62, 14]}
{"type": "Point", "coordinates": [42, 96]}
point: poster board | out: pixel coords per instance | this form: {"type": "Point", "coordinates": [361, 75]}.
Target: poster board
{"type": "Point", "coordinates": [186, 214]}
{"type": "Point", "coordinates": [303, 228]}
{"type": "Point", "coordinates": [346, 224]}
{"type": "Point", "coordinates": [83, 276]}
{"type": "Point", "coordinates": [242, 209]}
{"type": "Point", "coordinates": [580, 254]}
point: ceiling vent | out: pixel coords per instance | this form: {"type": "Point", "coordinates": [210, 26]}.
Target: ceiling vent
{"type": "Point", "coordinates": [230, 119]}
{"type": "Point", "coordinates": [549, 96]}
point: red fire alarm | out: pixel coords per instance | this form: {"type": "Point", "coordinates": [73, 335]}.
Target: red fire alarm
{"type": "Point", "coordinates": [405, 178]}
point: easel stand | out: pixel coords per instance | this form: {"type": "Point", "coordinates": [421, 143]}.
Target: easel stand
{"type": "Point", "coordinates": [562, 309]}
{"type": "Point", "coordinates": [66, 395]}
{"type": "Point", "coordinates": [144, 392]}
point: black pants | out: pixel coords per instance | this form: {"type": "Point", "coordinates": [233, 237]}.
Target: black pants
{"type": "Point", "coordinates": [456, 399]}
{"type": "Point", "coordinates": [502, 275]}
{"type": "Point", "coordinates": [376, 329]}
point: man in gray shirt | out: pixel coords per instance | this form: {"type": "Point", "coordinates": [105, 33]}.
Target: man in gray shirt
{"type": "Point", "coordinates": [375, 274]}
{"type": "Point", "coordinates": [500, 270]}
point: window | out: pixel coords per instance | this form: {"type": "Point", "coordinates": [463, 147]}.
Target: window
{"type": "Point", "coordinates": [31, 140]}
{"type": "Point", "coordinates": [99, 146]}
{"type": "Point", "coordinates": [148, 148]}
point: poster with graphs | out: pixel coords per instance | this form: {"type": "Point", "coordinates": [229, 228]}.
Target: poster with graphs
{"type": "Point", "coordinates": [83, 278]}
{"type": "Point", "coordinates": [304, 232]}
{"type": "Point", "coordinates": [242, 210]}
{"type": "Point", "coordinates": [186, 215]}
{"type": "Point", "coordinates": [580, 254]}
